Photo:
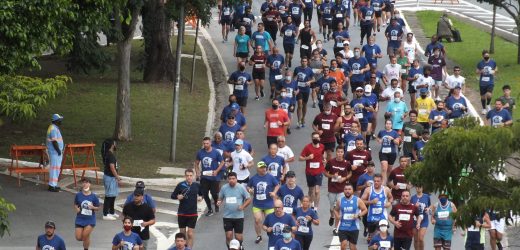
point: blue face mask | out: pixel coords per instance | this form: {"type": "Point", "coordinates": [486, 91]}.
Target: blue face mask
{"type": "Point", "coordinates": [287, 235]}
{"type": "Point", "coordinates": [443, 200]}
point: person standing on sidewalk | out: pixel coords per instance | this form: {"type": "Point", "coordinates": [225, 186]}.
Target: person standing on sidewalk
{"type": "Point", "coordinates": [208, 164]}
{"type": "Point", "coordinates": [55, 148]}
{"type": "Point", "coordinates": [487, 69]}
{"type": "Point", "coordinates": [188, 193]}
{"type": "Point", "coordinates": [50, 240]}
{"type": "Point", "coordinates": [312, 154]}
{"type": "Point", "coordinates": [85, 205]}
{"type": "Point", "coordinates": [235, 199]}
{"type": "Point", "coordinates": [275, 121]}
{"type": "Point", "coordinates": [111, 179]}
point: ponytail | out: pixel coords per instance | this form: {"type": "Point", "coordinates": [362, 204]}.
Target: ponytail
{"type": "Point", "coordinates": [105, 148]}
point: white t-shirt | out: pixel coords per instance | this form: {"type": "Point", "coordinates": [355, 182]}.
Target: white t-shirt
{"type": "Point", "coordinates": [423, 80]}
{"type": "Point", "coordinates": [286, 153]}
{"type": "Point", "coordinates": [238, 159]}
{"type": "Point", "coordinates": [392, 72]}
{"type": "Point", "coordinates": [347, 55]}
{"type": "Point", "coordinates": [410, 49]}
{"type": "Point", "coordinates": [389, 92]}
{"type": "Point", "coordinates": [453, 81]}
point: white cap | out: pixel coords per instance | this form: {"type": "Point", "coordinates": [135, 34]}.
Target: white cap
{"type": "Point", "coordinates": [234, 244]}
{"type": "Point", "coordinates": [368, 88]}
{"type": "Point", "coordinates": [383, 223]}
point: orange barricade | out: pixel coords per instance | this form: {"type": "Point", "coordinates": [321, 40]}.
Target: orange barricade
{"type": "Point", "coordinates": [74, 154]}
{"type": "Point", "coordinates": [28, 151]}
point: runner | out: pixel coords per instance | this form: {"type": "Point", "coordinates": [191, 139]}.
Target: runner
{"type": "Point", "coordinates": [50, 240]}
{"type": "Point", "coordinates": [499, 117]}
{"type": "Point", "coordinates": [415, 72]}
{"type": "Point", "coordinates": [509, 102]}
{"type": "Point", "coordinates": [397, 180]}
{"type": "Point", "coordinates": [258, 61]}
{"type": "Point", "coordinates": [344, 126]}
{"type": "Point", "coordinates": [365, 180]}
{"type": "Point", "coordinates": [289, 32]}
{"type": "Point", "coordinates": [456, 105]}
{"type": "Point", "coordinates": [337, 171]}
{"type": "Point", "coordinates": [410, 47]}
{"type": "Point", "coordinates": [111, 178]}
{"type": "Point", "coordinates": [394, 35]}
{"type": "Point", "coordinates": [361, 107]}
{"type": "Point", "coordinates": [438, 71]}
{"type": "Point", "coordinates": [389, 139]}
{"type": "Point", "coordinates": [455, 80]}
{"type": "Point", "coordinates": [437, 116]}
{"type": "Point", "coordinates": [290, 85]}
{"type": "Point", "coordinates": [358, 66]}
{"type": "Point", "coordinates": [229, 129]}
{"type": "Point", "coordinates": [180, 242]}
{"type": "Point", "coordinates": [305, 218]}
{"type": "Point", "coordinates": [287, 242]}
{"type": "Point", "coordinates": [358, 158]}
{"type": "Point", "coordinates": [235, 199]}
{"type": "Point", "coordinates": [378, 6]}
{"type": "Point", "coordinates": [275, 63]}
{"type": "Point", "coordinates": [290, 193]}
{"type": "Point", "coordinates": [271, 19]}
{"type": "Point", "coordinates": [127, 239]}
{"type": "Point", "coordinates": [147, 198]}
{"type": "Point", "coordinates": [397, 111]}
{"type": "Point", "coordinates": [337, 74]}
{"type": "Point", "coordinates": [336, 98]}
{"type": "Point", "coordinates": [412, 132]}
{"type": "Point", "coordinates": [366, 19]}
{"type": "Point", "coordinates": [242, 162]}
{"type": "Point", "coordinates": [275, 223]}
{"type": "Point", "coordinates": [382, 240]}
{"type": "Point", "coordinates": [323, 124]}
{"type": "Point", "coordinates": [321, 50]}
{"type": "Point", "coordinates": [497, 229]}
{"type": "Point", "coordinates": [340, 13]}
{"type": "Point", "coordinates": [425, 105]}
{"type": "Point", "coordinates": [393, 71]}
{"type": "Point", "coordinates": [350, 138]}
{"type": "Point", "coordinates": [312, 154]}
{"type": "Point", "coordinates": [349, 209]}
{"type": "Point", "coordinates": [402, 60]}
{"type": "Point", "coordinates": [373, 100]}
{"type": "Point", "coordinates": [322, 85]}
{"type": "Point", "coordinates": [326, 19]}
{"type": "Point", "coordinates": [434, 44]}
{"type": "Point", "coordinates": [308, 6]}
{"type": "Point", "coordinates": [487, 69]}
{"type": "Point", "coordinates": [346, 53]}
{"type": "Point", "coordinates": [263, 39]}
{"type": "Point", "coordinates": [86, 203]}
{"type": "Point", "coordinates": [476, 234]}
{"type": "Point", "coordinates": [208, 164]}
{"type": "Point", "coordinates": [285, 151]}
{"type": "Point", "coordinates": [305, 78]}
{"type": "Point", "coordinates": [402, 216]}
{"type": "Point", "coordinates": [307, 37]}
{"type": "Point", "coordinates": [275, 163]}
{"type": "Point", "coordinates": [55, 148]}
{"type": "Point", "coordinates": [188, 193]}
{"type": "Point", "coordinates": [422, 201]}
{"type": "Point", "coordinates": [275, 121]}
{"type": "Point", "coordinates": [263, 187]}
{"type": "Point", "coordinates": [247, 20]}
{"type": "Point", "coordinates": [389, 92]}
{"type": "Point", "coordinates": [340, 36]}
{"type": "Point", "coordinates": [418, 154]}
{"type": "Point", "coordinates": [378, 198]}
{"type": "Point", "coordinates": [442, 218]}
{"type": "Point", "coordinates": [225, 19]}
{"type": "Point", "coordinates": [317, 64]}
{"type": "Point", "coordinates": [371, 51]}
{"type": "Point", "coordinates": [296, 10]}
{"type": "Point", "coordinates": [240, 79]}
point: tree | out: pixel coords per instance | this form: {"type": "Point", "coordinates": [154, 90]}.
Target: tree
{"type": "Point", "coordinates": [5, 209]}
{"type": "Point", "coordinates": [126, 13]}
{"type": "Point", "coordinates": [512, 7]}
{"type": "Point", "coordinates": [463, 161]}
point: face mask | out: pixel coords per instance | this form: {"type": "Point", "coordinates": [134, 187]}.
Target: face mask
{"type": "Point", "coordinates": [486, 58]}
{"type": "Point", "coordinates": [315, 141]}
{"type": "Point", "coordinates": [319, 45]}
{"type": "Point", "coordinates": [242, 68]}
{"type": "Point", "coordinates": [439, 109]}
{"type": "Point", "coordinates": [397, 99]}
{"type": "Point", "coordinates": [393, 65]}
{"type": "Point", "coordinates": [423, 96]}
{"type": "Point", "coordinates": [443, 200]}
{"type": "Point", "coordinates": [287, 235]}
{"type": "Point", "coordinates": [127, 228]}
{"type": "Point", "coordinates": [383, 229]}
{"type": "Point", "coordinates": [288, 78]}
{"type": "Point", "coordinates": [327, 112]}
{"type": "Point", "coordinates": [275, 107]}
{"type": "Point", "coordinates": [397, 16]}
{"type": "Point", "coordinates": [332, 68]}
{"type": "Point", "coordinates": [356, 53]}
{"type": "Point", "coordinates": [284, 94]}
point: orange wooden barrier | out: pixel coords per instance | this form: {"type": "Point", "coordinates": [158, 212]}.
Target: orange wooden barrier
{"type": "Point", "coordinates": [74, 154]}
{"type": "Point", "coordinates": [28, 151]}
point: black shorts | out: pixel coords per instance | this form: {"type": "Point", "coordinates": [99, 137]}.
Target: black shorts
{"type": "Point", "coordinates": [372, 226]}
{"type": "Point", "coordinates": [225, 21]}
{"type": "Point", "coordinates": [487, 88]}
{"type": "Point", "coordinates": [187, 221]}
{"type": "Point", "coordinates": [411, 88]}
{"type": "Point", "coordinates": [389, 157]}
{"type": "Point", "coordinates": [288, 48]}
{"type": "Point", "coordinates": [246, 181]}
{"type": "Point", "coordinates": [364, 127]}
{"type": "Point", "coordinates": [304, 96]}
{"type": "Point", "coordinates": [330, 146]}
{"type": "Point", "coordinates": [314, 180]}
{"type": "Point", "coordinates": [378, 13]}
{"type": "Point", "coordinates": [350, 236]}
{"type": "Point", "coordinates": [232, 224]}
{"type": "Point", "coordinates": [442, 243]}
{"type": "Point", "coordinates": [389, 8]}
{"type": "Point", "coordinates": [242, 54]}
{"type": "Point", "coordinates": [242, 101]}
{"type": "Point", "coordinates": [258, 75]}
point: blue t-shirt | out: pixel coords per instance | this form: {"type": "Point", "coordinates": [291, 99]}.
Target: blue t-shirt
{"type": "Point", "coordinates": [377, 5]}
{"type": "Point", "coordinates": [175, 248]}
{"type": "Point", "coordinates": [373, 100]}
{"type": "Point", "coordinates": [398, 109]}
{"type": "Point", "coordinates": [264, 7]}
{"type": "Point", "coordinates": [323, 85]}
{"type": "Point", "coordinates": [289, 33]}
{"type": "Point", "coordinates": [240, 118]}
{"type": "Point", "coordinates": [277, 223]}
{"type": "Point", "coordinates": [438, 116]}
{"type": "Point", "coordinates": [379, 76]}
{"type": "Point", "coordinates": [364, 178]}
{"type": "Point", "coordinates": [394, 32]}
{"type": "Point", "coordinates": [55, 243]}
{"type": "Point", "coordinates": [291, 245]}
{"type": "Point", "coordinates": [359, 107]}
{"type": "Point", "coordinates": [290, 197]}
{"type": "Point", "coordinates": [356, 65]}
{"type": "Point", "coordinates": [240, 80]}
{"type": "Point", "coordinates": [209, 162]}
{"type": "Point", "coordinates": [419, 146]}
{"type": "Point", "coordinates": [370, 51]}
{"type": "Point", "coordinates": [86, 216]}
{"type": "Point", "coordinates": [430, 47]}
{"type": "Point", "coordinates": [340, 11]}
{"type": "Point", "coordinates": [285, 103]}
{"type": "Point", "coordinates": [276, 61]}
{"type": "Point", "coordinates": [226, 12]}
{"type": "Point", "coordinates": [222, 147]}
{"type": "Point", "coordinates": [486, 78]}
{"type": "Point", "coordinates": [387, 144]}
{"type": "Point", "coordinates": [326, 10]}
{"type": "Point", "coordinates": [455, 105]}
{"type": "Point", "coordinates": [366, 15]}
{"type": "Point", "coordinates": [242, 43]}
{"type": "Point", "coordinates": [305, 226]}
{"type": "Point", "coordinates": [413, 71]}
{"type": "Point", "coordinates": [54, 134]}
{"type": "Point", "coordinates": [240, 8]}
{"type": "Point", "coordinates": [229, 132]}
{"type": "Point", "coordinates": [296, 10]}
{"type": "Point", "coordinates": [262, 186]}
{"type": "Point", "coordinates": [274, 165]}
{"type": "Point", "coordinates": [338, 38]}
{"type": "Point", "coordinates": [291, 87]}
{"type": "Point", "coordinates": [377, 240]}
{"type": "Point", "coordinates": [261, 39]}
{"type": "Point", "coordinates": [128, 241]}
{"type": "Point", "coordinates": [424, 202]}
{"type": "Point", "coordinates": [347, 4]}
{"type": "Point", "coordinates": [147, 199]}
{"type": "Point", "coordinates": [350, 140]}
{"type": "Point", "coordinates": [498, 118]}
{"type": "Point", "coordinates": [302, 76]}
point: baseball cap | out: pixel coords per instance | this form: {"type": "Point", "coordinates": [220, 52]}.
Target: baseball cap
{"type": "Point", "coordinates": [368, 88]}
{"type": "Point", "coordinates": [359, 88]}
{"type": "Point", "coordinates": [50, 224]}
{"type": "Point", "coordinates": [235, 106]}
{"type": "Point", "coordinates": [138, 192]}
{"type": "Point", "coordinates": [139, 184]}
{"type": "Point", "coordinates": [458, 87]}
{"type": "Point", "coordinates": [290, 174]}
{"type": "Point", "coordinates": [286, 229]}
{"type": "Point", "coordinates": [56, 117]}
{"type": "Point", "coordinates": [393, 18]}
{"type": "Point", "coordinates": [424, 90]}
{"type": "Point", "coordinates": [234, 244]}
{"type": "Point", "coordinates": [261, 164]}
{"type": "Point", "coordinates": [346, 43]}
{"type": "Point", "coordinates": [239, 142]}
{"type": "Point", "coordinates": [383, 223]}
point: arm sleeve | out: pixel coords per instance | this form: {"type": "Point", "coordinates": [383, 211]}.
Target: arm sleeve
{"type": "Point", "coordinates": [116, 240]}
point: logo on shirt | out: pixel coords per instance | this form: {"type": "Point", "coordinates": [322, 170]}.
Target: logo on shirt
{"type": "Point", "coordinates": [261, 187]}
{"type": "Point", "coordinates": [301, 76]}
{"type": "Point", "coordinates": [241, 80]}
{"type": "Point", "coordinates": [277, 228]}
{"type": "Point", "coordinates": [85, 204]}
{"type": "Point", "coordinates": [47, 247]}
{"type": "Point", "coordinates": [127, 245]}
{"type": "Point", "coordinates": [497, 119]}
{"type": "Point", "coordinates": [206, 162]}
{"type": "Point", "coordinates": [229, 136]}
{"type": "Point", "coordinates": [273, 168]}
{"type": "Point", "coordinates": [288, 200]}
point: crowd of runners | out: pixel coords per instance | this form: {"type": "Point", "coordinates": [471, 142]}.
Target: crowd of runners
{"type": "Point", "coordinates": [349, 89]}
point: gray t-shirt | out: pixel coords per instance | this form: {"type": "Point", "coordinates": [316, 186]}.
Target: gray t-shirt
{"type": "Point", "coordinates": [232, 198]}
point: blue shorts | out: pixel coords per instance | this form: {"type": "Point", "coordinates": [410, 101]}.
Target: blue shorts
{"type": "Point", "coordinates": [364, 126]}
{"type": "Point", "coordinates": [486, 88]}
{"type": "Point", "coordinates": [424, 222]}
{"type": "Point", "coordinates": [314, 180]}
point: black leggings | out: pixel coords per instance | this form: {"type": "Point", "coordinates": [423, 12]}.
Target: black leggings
{"type": "Point", "coordinates": [366, 30]}
{"type": "Point", "coordinates": [272, 30]}
{"type": "Point", "coordinates": [305, 241]}
{"type": "Point", "coordinates": [307, 14]}
{"type": "Point", "coordinates": [209, 186]}
{"type": "Point", "coordinates": [108, 205]}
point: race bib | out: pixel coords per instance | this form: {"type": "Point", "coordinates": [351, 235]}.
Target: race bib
{"type": "Point", "coordinates": [278, 77]}
{"type": "Point", "coordinates": [259, 66]}
{"type": "Point", "coordinates": [302, 84]}
{"type": "Point", "coordinates": [485, 79]}
{"type": "Point", "coordinates": [261, 197]}
{"type": "Point", "coordinates": [377, 210]}
{"type": "Point", "coordinates": [339, 44]}
{"type": "Point", "coordinates": [386, 150]}
{"type": "Point", "coordinates": [226, 13]}
{"type": "Point", "coordinates": [86, 211]}
{"type": "Point", "coordinates": [347, 216]}
{"type": "Point", "coordinates": [231, 200]}
{"type": "Point", "coordinates": [339, 15]}
{"type": "Point", "coordinates": [407, 139]}
{"type": "Point", "coordinates": [271, 248]}
{"type": "Point", "coordinates": [239, 87]}
{"type": "Point", "coordinates": [393, 38]}
{"type": "Point", "coordinates": [377, 8]}
{"type": "Point", "coordinates": [246, 20]}
{"type": "Point", "coordinates": [423, 111]}
{"type": "Point", "coordinates": [137, 223]}
{"type": "Point", "coordinates": [288, 32]}
{"type": "Point", "coordinates": [288, 210]}
{"type": "Point", "coordinates": [403, 71]}
{"type": "Point", "coordinates": [304, 46]}
{"type": "Point", "coordinates": [439, 118]}
{"type": "Point", "coordinates": [401, 185]}
{"type": "Point", "coordinates": [316, 71]}
{"type": "Point", "coordinates": [443, 214]}
{"type": "Point", "coordinates": [207, 173]}
{"type": "Point", "coordinates": [303, 229]}
{"type": "Point", "coordinates": [335, 179]}
{"type": "Point", "coordinates": [356, 71]}
{"type": "Point", "coordinates": [325, 126]}
{"type": "Point", "coordinates": [404, 217]}
{"type": "Point", "coordinates": [359, 115]}
{"type": "Point", "coordinates": [314, 165]}
{"type": "Point", "coordinates": [368, 18]}
{"type": "Point", "coordinates": [357, 162]}
{"type": "Point", "coordinates": [273, 125]}
{"type": "Point", "coordinates": [295, 11]}
{"type": "Point", "coordinates": [385, 243]}
{"type": "Point", "coordinates": [308, 1]}
{"type": "Point", "coordinates": [321, 97]}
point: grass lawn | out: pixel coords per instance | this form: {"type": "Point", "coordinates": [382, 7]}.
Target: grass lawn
{"type": "Point", "coordinates": [468, 53]}
{"type": "Point", "coordinates": [89, 111]}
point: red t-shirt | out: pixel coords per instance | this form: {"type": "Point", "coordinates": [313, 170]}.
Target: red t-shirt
{"type": "Point", "coordinates": [405, 215]}
{"type": "Point", "coordinates": [259, 62]}
{"type": "Point", "coordinates": [397, 176]}
{"type": "Point", "coordinates": [272, 117]}
{"type": "Point", "coordinates": [341, 167]}
{"type": "Point", "coordinates": [315, 165]}
{"type": "Point", "coordinates": [360, 159]}
{"type": "Point", "coordinates": [326, 123]}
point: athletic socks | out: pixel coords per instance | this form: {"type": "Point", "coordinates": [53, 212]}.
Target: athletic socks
{"type": "Point", "coordinates": [483, 102]}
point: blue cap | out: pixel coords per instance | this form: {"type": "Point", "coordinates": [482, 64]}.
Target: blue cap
{"type": "Point", "coordinates": [235, 106]}
{"type": "Point", "coordinates": [424, 90]}
{"type": "Point", "coordinates": [239, 142]}
{"type": "Point", "coordinates": [56, 117]}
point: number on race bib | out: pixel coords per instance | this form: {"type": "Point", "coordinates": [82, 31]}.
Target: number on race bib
{"type": "Point", "coordinates": [314, 165]}
{"type": "Point", "coordinates": [207, 173]}
{"type": "Point", "coordinates": [231, 200]}
{"type": "Point", "coordinates": [86, 211]}
{"type": "Point", "coordinates": [404, 217]}
{"type": "Point", "coordinates": [288, 210]}
{"type": "Point", "coordinates": [325, 126]}
{"type": "Point", "coordinates": [261, 197]}
{"type": "Point", "coordinates": [386, 150]}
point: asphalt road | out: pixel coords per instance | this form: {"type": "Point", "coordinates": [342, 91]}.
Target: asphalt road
{"type": "Point", "coordinates": [209, 232]}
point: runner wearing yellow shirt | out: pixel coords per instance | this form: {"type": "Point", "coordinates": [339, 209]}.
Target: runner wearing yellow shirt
{"type": "Point", "coordinates": [425, 105]}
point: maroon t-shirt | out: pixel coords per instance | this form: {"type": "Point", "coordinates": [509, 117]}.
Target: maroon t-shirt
{"type": "Point", "coordinates": [358, 158]}
{"type": "Point", "coordinates": [326, 123]}
{"type": "Point", "coordinates": [346, 124]}
{"type": "Point", "coordinates": [397, 177]}
{"type": "Point", "coordinates": [314, 166]}
{"type": "Point", "coordinates": [405, 215]}
{"type": "Point", "coordinates": [341, 167]}
{"type": "Point", "coordinates": [259, 62]}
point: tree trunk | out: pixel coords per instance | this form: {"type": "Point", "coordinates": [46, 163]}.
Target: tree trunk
{"type": "Point", "coordinates": [518, 42]}
{"type": "Point", "coordinates": [159, 61]}
{"type": "Point", "coordinates": [123, 130]}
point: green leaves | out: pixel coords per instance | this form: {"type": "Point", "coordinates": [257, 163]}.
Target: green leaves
{"type": "Point", "coordinates": [21, 96]}
{"type": "Point", "coordinates": [5, 209]}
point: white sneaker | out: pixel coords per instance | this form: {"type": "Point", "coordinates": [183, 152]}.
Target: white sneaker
{"type": "Point", "coordinates": [114, 215]}
{"type": "Point", "coordinates": [108, 217]}
{"type": "Point", "coordinates": [488, 108]}
{"type": "Point", "coordinates": [484, 111]}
